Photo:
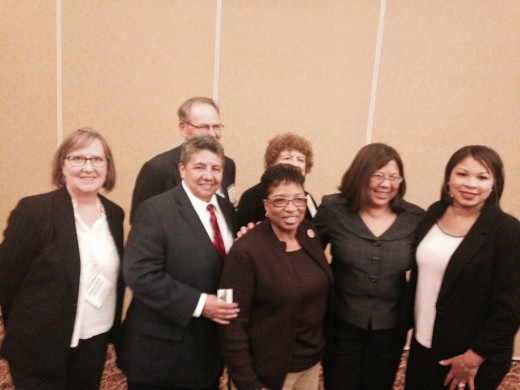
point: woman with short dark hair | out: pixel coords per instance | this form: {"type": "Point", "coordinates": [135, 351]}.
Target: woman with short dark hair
{"type": "Point", "coordinates": [281, 281]}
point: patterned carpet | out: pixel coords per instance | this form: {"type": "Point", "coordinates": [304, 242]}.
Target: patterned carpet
{"type": "Point", "coordinates": [114, 379]}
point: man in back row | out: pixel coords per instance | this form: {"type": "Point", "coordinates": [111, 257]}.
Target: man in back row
{"type": "Point", "coordinates": [198, 115]}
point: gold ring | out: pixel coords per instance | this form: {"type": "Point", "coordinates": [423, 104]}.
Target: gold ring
{"type": "Point", "coordinates": [461, 385]}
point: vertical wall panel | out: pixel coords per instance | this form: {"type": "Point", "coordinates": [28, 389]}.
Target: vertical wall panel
{"type": "Point", "coordinates": [299, 66]}
{"type": "Point", "coordinates": [127, 66]}
{"type": "Point", "coordinates": [450, 76]}
{"type": "Point", "coordinates": [27, 99]}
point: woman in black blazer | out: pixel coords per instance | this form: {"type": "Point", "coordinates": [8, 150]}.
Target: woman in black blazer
{"type": "Point", "coordinates": [60, 285]}
{"type": "Point", "coordinates": [467, 280]}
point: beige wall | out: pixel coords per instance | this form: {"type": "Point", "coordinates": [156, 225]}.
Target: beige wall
{"type": "Point", "coordinates": [446, 74]}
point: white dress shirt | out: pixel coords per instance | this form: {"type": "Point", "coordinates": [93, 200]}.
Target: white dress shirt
{"type": "Point", "coordinates": [200, 207]}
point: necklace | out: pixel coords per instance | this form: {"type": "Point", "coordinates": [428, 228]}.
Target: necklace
{"type": "Point", "coordinates": [448, 234]}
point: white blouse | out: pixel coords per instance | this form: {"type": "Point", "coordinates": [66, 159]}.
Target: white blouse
{"type": "Point", "coordinates": [433, 255]}
{"type": "Point", "coordinates": [98, 278]}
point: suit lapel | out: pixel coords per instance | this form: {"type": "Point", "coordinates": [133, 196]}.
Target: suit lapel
{"type": "Point", "coordinates": [226, 179]}
{"type": "Point", "coordinates": [114, 224]}
{"type": "Point", "coordinates": [229, 214]}
{"type": "Point", "coordinates": [191, 217]}
{"type": "Point", "coordinates": [351, 221]}
{"type": "Point", "coordinates": [304, 237]}
{"type": "Point", "coordinates": [65, 227]}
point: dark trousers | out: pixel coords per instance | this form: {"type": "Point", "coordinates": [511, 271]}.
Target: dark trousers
{"type": "Point", "coordinates": [362, 359]}
{"type": "Point", "coordinates": [85, 366]}
{"type": "Point", "coordinates": [423, 371]}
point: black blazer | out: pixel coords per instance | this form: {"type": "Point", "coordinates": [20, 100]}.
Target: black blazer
{"type": "Point", "coordinates": [169, 262]}
{"type": "Point", "coordinates": [161, 174]}
{"type": "Point", "coordinates": [478, 306]}
{"type": "Point", "coordinates": [39, 280]}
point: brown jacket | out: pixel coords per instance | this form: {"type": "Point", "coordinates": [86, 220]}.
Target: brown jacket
{"type": "Point", "coordinates": [258, 345]}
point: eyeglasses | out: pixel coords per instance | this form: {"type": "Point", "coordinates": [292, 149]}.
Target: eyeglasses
{"type": "Point", "coordinates": [282, 202]}
{"type": "Point", "coordinates": [79, 161]}
{"type": "Point", "coordinates": [380, 178]}
{"type": "Point", "coordinates": [206, 127]}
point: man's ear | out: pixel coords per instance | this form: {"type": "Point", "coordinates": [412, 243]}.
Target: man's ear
{"type": "Point", "coordinates": [182, 170]}
{"type": "Point", "coordinates": [183, 130]}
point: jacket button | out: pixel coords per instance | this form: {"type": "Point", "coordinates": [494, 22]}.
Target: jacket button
{"type": "Point", "coordinates": [373, 279]}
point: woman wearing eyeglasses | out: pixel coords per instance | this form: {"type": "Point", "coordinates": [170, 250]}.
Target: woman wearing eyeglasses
{"type": "Point", "coordinates": [370, 229]}
{"type": "Point", "coordinates": [281, 281]}
{"type": "Point", "coordinates": [286, 148]}
{"type": "Point", "coordinates": [60, 286]}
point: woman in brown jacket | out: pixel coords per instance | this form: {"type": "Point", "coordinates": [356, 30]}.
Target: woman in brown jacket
{"type": "Point", "coordinates": [281, 281]}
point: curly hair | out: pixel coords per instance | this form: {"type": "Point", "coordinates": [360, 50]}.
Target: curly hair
{"type": "Point", "coordinates": [288, 141]}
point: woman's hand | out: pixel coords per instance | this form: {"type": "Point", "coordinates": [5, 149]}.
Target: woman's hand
{"type": "Point", "coordinates": [463, 370]}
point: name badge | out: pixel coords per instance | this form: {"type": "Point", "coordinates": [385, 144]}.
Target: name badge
{"type": "Point", "coordinates": [232, 193]}
{"type": "Point", "coordinates": [98, 288]}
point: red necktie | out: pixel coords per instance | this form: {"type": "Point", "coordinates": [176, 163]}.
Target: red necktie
{"type": "Point", "coordinates": [217, 236]}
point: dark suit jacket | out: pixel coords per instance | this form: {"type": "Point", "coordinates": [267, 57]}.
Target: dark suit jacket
{"type": "Point", "coordinates": [478, 306]}
{"type": "Point", "coordinates": [251, 208]}
{"type": "Point", "coordinates": [258, 345]}
{"type": "Point", "coordinates": [369, 271]}
{"type": "Point", "coordinates": [161, 174]}
{"type": "Point", "coordinates": [169, 262]}
{"type": "Point", "coordinates": [39, 280]}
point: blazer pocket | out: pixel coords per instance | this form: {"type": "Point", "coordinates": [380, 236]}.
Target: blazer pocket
{"type": "Point", "coordinates": [163, 331]}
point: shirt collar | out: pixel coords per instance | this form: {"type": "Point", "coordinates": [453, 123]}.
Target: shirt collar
{"type": "Point", "coordinates": [196, 201]}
